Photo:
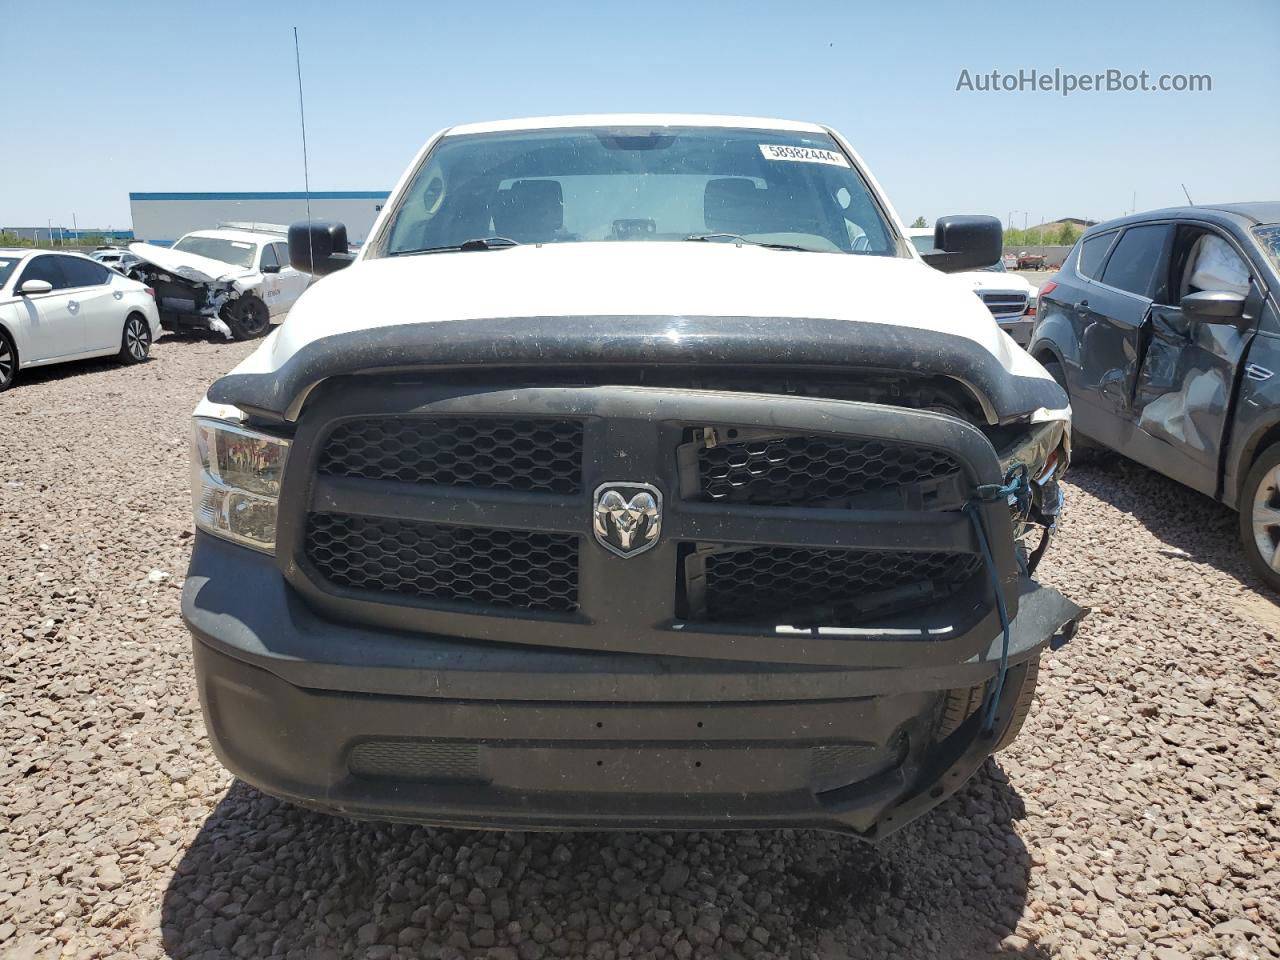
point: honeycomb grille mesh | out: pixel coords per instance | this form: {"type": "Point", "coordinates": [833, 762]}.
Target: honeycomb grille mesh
{"type": "Point", "coordinates": [501, 453]}
{"type": "Point", "coordinates": [765, 582]}
{"type": "Point", "coordinates": [809, 470]}
{"type": "Point", "coordinates": [501, 568]}
{"type": "Point", "coordinates": [416, 760]}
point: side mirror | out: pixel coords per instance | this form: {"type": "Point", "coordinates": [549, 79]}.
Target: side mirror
{"type": "Point", "coordinates": [319, 247]}
{"type": "Point", "coordinates": [965, 243]}
{"type": "Point", "coordinates": [271, 268]}
{"type": "Point", "coordinates": [1213, 306]}
{"type": "Point", "coordinates": [34, 287]}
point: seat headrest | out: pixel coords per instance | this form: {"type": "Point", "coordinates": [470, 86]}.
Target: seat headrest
{"type": "Point", "coordinates": [733, 205]}
{"type": "Point", "coordinates": [530, 211]}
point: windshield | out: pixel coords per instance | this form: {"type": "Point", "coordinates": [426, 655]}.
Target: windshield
{"type": "Point", "coordinates": [923, 243]}
{"type": "Point", "coordinates": [564, 186]}
{"type": "Point", "coordinates": [997, 267]}
{"type": "Point", "coordinates": [239, 253]}
{"type": "Point", "coordinates": [6, 268]}
{"type": "Point", "coordinates": [1268, 237]}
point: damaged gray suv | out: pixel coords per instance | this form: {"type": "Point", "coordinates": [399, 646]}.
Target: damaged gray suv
{"type": "Point", "coordinates": [636, 473]}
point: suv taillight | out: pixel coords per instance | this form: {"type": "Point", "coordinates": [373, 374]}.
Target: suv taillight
{"type": "Point", "coordinates": [1048, 288]}
{"type": "Point", "coordinates": [151, 293]}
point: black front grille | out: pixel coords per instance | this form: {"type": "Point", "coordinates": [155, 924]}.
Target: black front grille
{"type": "Point", "coordinates": [516, 569]}
{"type": "Point", "coordinates": [813, 470]}
{"type": "Point", "coordinates": [831, 587]}
{"type": "Point", "coordinates": [1005, 304]}
{"type": "Point", "coordinates": [499, 453]}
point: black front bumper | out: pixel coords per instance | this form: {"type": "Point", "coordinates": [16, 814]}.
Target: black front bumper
{"type": "Point", "coordinates": [388, 724]}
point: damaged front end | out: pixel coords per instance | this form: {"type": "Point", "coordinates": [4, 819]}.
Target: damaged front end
{"type": "Point", "coordinates": [189, 298]}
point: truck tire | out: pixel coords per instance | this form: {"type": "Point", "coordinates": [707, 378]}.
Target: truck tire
{"type": "Point", "coordinates": [247, 316]}
{"type": "Point", "coordinates": [135, 341]}
{"type": "Point", "coordinates": [1259, 507]}
{"type": "Point", "coordinates": [962, 703]}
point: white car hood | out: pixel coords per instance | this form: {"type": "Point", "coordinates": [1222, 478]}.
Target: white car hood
{"type": "Point", "coordinates": [190, 266]}
{"type": "Point", "coordinates": [990, 280]}
{"type": "Point", "coordinates": [710, 279]}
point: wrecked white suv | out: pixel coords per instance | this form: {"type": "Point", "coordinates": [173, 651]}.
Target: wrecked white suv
{"type": "Point", "coordinates": [637, 473]}
{"type": "Point", "coordinates": [231, 280]}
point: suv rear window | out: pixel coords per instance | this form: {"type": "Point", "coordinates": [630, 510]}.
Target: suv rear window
{"type": "Point", "coordinates": [1092, 250]}
{"type": "Point", "coordinates": [1137, 258]}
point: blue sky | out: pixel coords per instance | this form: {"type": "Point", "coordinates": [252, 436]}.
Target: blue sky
{"type": "Point", "coordinates": [105, 99]}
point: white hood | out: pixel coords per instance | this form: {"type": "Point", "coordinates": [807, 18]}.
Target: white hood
{"type": "Point", "coordinates": [189, 266]}
{"type": "Point", "coordinates": [636, 279]}
{"type": "Point", "coordinates": [993, 280]}
{"type": "Point", "coordinates": [660, 279]}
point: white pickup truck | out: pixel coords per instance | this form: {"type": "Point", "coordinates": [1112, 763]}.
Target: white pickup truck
{"type": "Point", "coordinates": [231, 280]}
{"type": "Point", "coordinates": [1009, 297]}
{"type": "Point", "coordinates": [637, 472]}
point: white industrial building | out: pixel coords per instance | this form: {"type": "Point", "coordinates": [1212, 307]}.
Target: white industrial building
{"type": "Point", "coordinates": [164, 217]}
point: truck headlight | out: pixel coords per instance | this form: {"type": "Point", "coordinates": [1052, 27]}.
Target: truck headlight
{"type": "Point", "coordinates": [235, 482]}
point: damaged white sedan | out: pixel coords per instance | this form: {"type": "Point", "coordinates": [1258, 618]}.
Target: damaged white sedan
{"type": "Point", "coordinates": [230, 280]}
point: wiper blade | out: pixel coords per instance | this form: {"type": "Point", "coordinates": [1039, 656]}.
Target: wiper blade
{"type": "Point", "coordinates": [755, 243]}
{"type": "Point", "coordinates": [479, 243]}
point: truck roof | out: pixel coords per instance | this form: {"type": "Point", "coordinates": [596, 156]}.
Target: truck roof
{"type": "Point", "coordinates": [247, 236]}
{"type": "Point", "coordinates": [635, 120]}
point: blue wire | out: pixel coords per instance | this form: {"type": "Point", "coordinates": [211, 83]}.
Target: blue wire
{"type": "Point", "coordinates": [980, 529]}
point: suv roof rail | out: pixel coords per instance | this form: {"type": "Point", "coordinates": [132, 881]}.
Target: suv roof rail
{"type": "Point", "coordinates": [254, 226]}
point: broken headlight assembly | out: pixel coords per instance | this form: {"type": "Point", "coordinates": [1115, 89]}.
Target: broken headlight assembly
{"type": "Point", "coordinates": [235, 482]}
{"type": "Point", "coordinates": [1032, 466]}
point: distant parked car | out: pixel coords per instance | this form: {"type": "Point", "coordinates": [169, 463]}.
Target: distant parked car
{"type": "Point", "coordinates": [231, 280]}
{"type": "Point", "coordinates": [1009, 297]}
{"type": "Point", "coordinates": [1030, 261]}
{"type": "Point", "coordinates": [1164, 328]}
{"type": "Point", "coordinates": [66, 306]}
{"type": "Point", "coordinates": [118, 259]}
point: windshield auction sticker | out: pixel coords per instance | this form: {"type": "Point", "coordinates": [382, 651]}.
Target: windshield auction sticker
{"type": "Point", "coordinates": [773, 151]}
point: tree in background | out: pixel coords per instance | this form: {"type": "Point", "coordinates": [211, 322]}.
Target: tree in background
{"type": "Point", "coordinates": [920, 222]}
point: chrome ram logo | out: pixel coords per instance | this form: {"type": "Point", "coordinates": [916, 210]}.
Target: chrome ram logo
{"type": "Point", "coordinates": [627, 517]}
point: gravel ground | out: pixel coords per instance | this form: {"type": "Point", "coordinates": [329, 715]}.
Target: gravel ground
{"type": "Point", "coordinates": [1135, 817]}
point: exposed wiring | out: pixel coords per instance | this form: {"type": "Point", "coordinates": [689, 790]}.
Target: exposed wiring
{"type": "Point", "coordinates": [1015, 485]}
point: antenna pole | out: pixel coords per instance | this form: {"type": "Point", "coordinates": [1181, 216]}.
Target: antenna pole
{"type": "Point", "coordinates": [302, 116]}
{"type": "Point", "coordinates": [1190, 202]}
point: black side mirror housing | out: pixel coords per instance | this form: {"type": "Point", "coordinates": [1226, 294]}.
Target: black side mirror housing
{"type": "Point", "coordinates": [271, 268]}
{"type": "Point", "coordinates": [965, 243]}
{"type": "Point", "coordinates": [319, 247]}
{"type": "Point", "coordinates": [1213, 306]}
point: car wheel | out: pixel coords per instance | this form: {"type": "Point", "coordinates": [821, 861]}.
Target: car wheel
{"type": "Point", "coordinates": [1083, 450]}
{"type": "Point", "coordinates": [135, 342]}
{"type": "Point", "coordinates": [961, 704]}
{"type": "Point", "coordinates": [8, 361]}
{"type": "Point", "coordinates": [1259, 506]}
{"type": "Point", "coordinates": [247, 316]}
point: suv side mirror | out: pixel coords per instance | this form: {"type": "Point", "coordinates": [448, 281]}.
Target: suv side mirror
{"type": "Point", "coordinates": [1213, 306]}
{"type": "Point", "coordinates": [319, 247]}
{"type": "Point", "coordinates": [271, 268]}
{"type": "Point", "coordinates": [32, 288]}
{"type": "Point", "coordinates": [965, 243]}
